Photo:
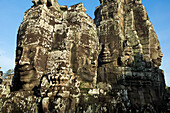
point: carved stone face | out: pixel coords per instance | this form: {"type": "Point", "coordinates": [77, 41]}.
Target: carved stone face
{"type": "Point", "coordinates": [30, 64]}
{"type": "Point", "coordinates": [34, 40]}
{"type": "Point", "coordinates": [156, 56]}
{"type": "Point", "coordinates": [155, 51]}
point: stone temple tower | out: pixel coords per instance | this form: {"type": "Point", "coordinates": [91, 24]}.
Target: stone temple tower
{"type": "Point", "coordinates": [133, 51]}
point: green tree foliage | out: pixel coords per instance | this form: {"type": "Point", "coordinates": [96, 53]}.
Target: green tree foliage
{"type": "Point", "coordinates": [167, 88]}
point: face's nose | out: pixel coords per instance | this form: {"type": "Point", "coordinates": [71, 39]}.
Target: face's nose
{"type": "Point", "coordinates": [25, 60]}
{"type": "Point", "coordinates": [161, 54]}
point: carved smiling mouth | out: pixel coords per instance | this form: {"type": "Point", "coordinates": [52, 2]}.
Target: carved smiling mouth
{"type": "Point", "coordinates": [25, 70]}
{"type": "Point", "coordinates": [26, 74]}
{"type": "Point", "coordinates": [160, 60]}
{"type": "Point", "coordinates": [27, 77]}
{"type": "Point", "coordinates": [157, 61]}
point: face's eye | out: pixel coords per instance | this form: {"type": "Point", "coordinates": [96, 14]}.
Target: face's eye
{"type": "Point", "coordinates": [19, 52]}
{"type": "Point", "coordinates": [31, 52]}
{"type": "Point", "coordinates": [158, 48]}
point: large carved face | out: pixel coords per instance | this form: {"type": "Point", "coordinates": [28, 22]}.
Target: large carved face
{"type": "Point", "coordinates": [156, 55]}
{"type": "Point", "coordinates": [30, 64]}
{"type": "Point", "coordinates": [155, 49]}
{"type": "Point", "coordinates": [33, 43]}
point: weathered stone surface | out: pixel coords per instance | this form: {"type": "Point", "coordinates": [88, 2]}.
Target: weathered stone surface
{"type": "Point", "coordinates": [19, 102]}
{"type": "Point", "coordinates": [168, 99]}
{"type": "Point", "coordinates": [34, 40]}
{"type": "Point", "coordinates": [133, 52]}
{"type": "Point", "coordinates": [67, 62]}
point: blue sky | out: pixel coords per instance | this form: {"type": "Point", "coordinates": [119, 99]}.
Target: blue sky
{"type": "Point", "coordinates": [12, 13]}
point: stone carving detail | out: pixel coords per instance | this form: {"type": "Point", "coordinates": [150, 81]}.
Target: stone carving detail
{"type": "Point", "coordinates": [136, 51]}
{"type": "Point", "coordinates": [34, 40]}
{"type": "Point", "coordinates": [106, 57]}
{"type": "Point", "coordinates": [68, 63]}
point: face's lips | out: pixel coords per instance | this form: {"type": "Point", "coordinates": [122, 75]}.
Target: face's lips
{"type": "Point", "coordinates": [25, 68]}
{"type": "Point", "coordinates": [159, 59]}
{"type": "Point", "coordinates": [27, 76]}
{"type": "Point", "coordinates": [24, 73]}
